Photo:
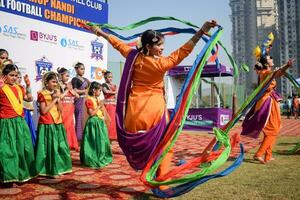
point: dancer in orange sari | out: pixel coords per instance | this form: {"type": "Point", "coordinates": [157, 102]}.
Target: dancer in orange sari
{"type": "Point", "coordinates": [146, 104]}
{"type": "Point", "coordinates": [273, 124]}
{"type": "Point", "coordinates": [110, 90]}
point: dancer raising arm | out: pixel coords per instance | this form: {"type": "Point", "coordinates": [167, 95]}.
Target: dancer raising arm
{"type": "Point", "coordinates": [146, 105]}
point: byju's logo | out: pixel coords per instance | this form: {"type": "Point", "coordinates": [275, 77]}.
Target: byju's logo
{"type": "Point", "coordinates": [71, 43]}
{"type": "Point", "coordinates": [34, 35]}
{"type": "Point", "coordinates": [12, 31]}
{"type": "Point", "coordinates": [43, 37]}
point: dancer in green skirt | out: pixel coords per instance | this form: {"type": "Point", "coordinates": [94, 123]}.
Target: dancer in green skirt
{"type": "Point", "coordinates": [16, 149]}
{"type": "Point", "coordinates": [52, 150]}
{"type": "Point", "coordinates": [95, 148]}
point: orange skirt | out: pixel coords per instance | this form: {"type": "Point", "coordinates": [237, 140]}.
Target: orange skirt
{"type": "Point", "coordinates": [68, 121]}
{"type": "Point", "coordinates": [145, 109]}
{"type": "Point", "coordinates": [112, 130]}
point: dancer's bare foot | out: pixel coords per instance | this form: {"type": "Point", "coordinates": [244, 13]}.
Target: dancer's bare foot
{"type": "Point", "coordinates": [260, 159]}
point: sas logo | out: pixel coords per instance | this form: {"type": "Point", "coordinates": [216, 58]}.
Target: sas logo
{"type": "Point", "coordinates": [96, 73]}
{"type": "Point", "coordinates": [12, 31]}
{"type": "Point", "coordinates": [97, 49]}
{"type": "Point", "coordinates": [42, 66]}
{"type": "Point", "coordinates": [70, 43]}
{"type": "Point", "coordinates": [43, 37]}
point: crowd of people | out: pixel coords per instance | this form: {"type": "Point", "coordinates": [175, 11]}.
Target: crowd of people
{"type": "Point", "coordinates": [71, 112]}
{"type": "Point", "coordinates": [292, 106]}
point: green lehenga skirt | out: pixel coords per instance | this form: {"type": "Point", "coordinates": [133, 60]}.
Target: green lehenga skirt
{"type": "Point", "coordinates": [17, 163]}
{"type": "Point", "coordinates": [52, 150]}
{"type": "Point", "coordinates": [95, 150]}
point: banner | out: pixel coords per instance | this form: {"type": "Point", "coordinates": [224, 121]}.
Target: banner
{"type": "Point", "coordinates": [64, 12]}
{"type": "Point", "coordinates": [42, 35]}
{"type": "Point", "coordinates": [206, 118]}
{"type": "Point", "coordinates": [208, 71]}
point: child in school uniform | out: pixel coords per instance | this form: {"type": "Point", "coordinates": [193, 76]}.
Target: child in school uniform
{"type": "Point", "coordinates": [95, 150]}
{"type": "Point", "coordinates": [52, 150]}
{"type": "Point", "coordinates": [17, 162]}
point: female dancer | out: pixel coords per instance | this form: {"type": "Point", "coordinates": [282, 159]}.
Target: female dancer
{"type": "Point", "coordinates": [110, 91]}
{"type": "Point", "coordinates": [265, 115]}
{"type": "Point", "coordinates": [52, 150]}
{"type": "Point", "coordinates": [95, 148]}
{"type": "Point", "coordinates": [146, 105]}
{"type": "Point", "coordinates": [68, 108]}
{"type": "Point", "coordinates": [80, 85]}
{"type": "Point", "coordinates": [17, 162]}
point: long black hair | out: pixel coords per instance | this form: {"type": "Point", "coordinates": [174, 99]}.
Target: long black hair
{"type": "Point", "coordinates": [94, 86]}
{"type": "Point", "coordinates": [62, 70]}
{"type": "Point", "coordinates": [264, 62]}
{"type": "Point", "coordinates": [9, 68]}
{"type": "Point", "coordinates": [150, 37]}
{"type": "Point", "coordinates": [106, 74]}
{"type": "Point", "coordinates": [2, 51]}
{"type": "Point", "coordinates": [49, 76]}
{"type": "Point", "coordinates": [78, 64]}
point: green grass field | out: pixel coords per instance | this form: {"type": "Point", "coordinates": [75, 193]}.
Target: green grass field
{"type": "Point", "coordinates": [279, 179]}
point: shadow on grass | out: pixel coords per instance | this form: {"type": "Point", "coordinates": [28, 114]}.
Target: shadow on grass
{"type": "Point", "coordinates": [248, 160]}
{"type": "Point", "coordinates": [287, 153]}
{"type": "Point", "coordinates": [287, 143]}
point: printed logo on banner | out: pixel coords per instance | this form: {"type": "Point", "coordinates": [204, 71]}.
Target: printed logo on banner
{"type": "Point", "coordinates": [34, 35]}
{"type": "Point", "coordinates": [42, 66]}
{"type": "Point", "coordinates": [97, 49]}
{"type": "Point", "coordinates": [12, 31]}
{"type": "Point", "coordinates": [43, 37]}
{"type": "Point", "coordinates": [224, 119]}
{"type": "Point", "coordinates": [96, 73]}
{"type": "Point", "coordinates": [71, 43]}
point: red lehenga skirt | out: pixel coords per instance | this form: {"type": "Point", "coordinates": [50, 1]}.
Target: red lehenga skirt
{"type": "Point", "coordinates": [68, 121]}
{"type": "Point", "coordinates": [112, 130]}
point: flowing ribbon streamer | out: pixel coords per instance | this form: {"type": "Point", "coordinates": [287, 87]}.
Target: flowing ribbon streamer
{"type": "Point", "coordinates": [146, 21]}
{"type": "Point", "coordinates": [191, 83]}
{"type": "Point", "coordinates": [208, 162]}
{"type": "Point", "coordinates": [178, 190]}
{"type": "Point", "coordinates": [171, 29]}
{"type": "Point", "coordinates": [296, 84]}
